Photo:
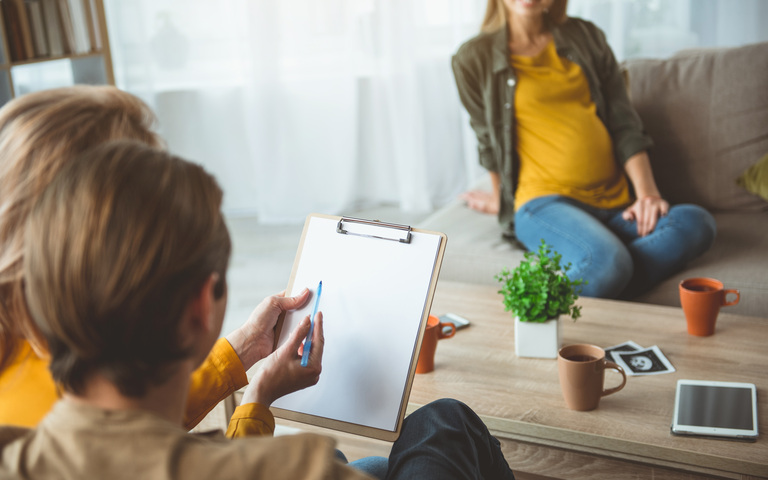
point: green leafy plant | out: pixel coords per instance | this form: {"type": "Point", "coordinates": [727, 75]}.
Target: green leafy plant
{"type": "Point", "coordinates": [539, 288]}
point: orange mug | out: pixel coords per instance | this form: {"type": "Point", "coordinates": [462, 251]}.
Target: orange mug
{"type": "Point", "coordinates": [701, 299]}
{"type": "Point", "coordinates": [432, 334]}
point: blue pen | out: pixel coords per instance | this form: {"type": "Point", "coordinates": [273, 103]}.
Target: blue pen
{"type": "Point", "coordinates": [308, 340]}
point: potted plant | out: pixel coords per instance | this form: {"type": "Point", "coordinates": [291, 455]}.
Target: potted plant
{"type": "Point", "coordinates": [537, 292]}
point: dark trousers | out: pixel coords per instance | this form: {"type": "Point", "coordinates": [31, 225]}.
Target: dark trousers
{"type": "Point", "coordinates": [445, 440]}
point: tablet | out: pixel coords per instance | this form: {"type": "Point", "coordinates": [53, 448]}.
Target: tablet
{"type": "Point", "coordinates": [715, 409]}
{"type": "Point", "coordinates": [457, 320]}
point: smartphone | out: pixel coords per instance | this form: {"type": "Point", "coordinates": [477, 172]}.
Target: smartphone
{"type": "Point", "coordinates": [459, 321]}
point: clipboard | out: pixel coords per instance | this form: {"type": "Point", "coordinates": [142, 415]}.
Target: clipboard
{"type": "Point", "coordinates": [378, 283]}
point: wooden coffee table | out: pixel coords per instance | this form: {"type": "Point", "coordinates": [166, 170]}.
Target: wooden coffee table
{"type": "Point", "coordinates": [628, 436]}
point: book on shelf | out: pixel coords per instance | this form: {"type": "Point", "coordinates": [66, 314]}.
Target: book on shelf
{"type": "Point", "coordinates": [77, 13]}
{"type": "Point", "coordinates": [18, 32]}
{"type": "Point", "coordinates": [12, 32]}
{"type": "Point", "coordinates": [53, 31]}
{"type": "Point", "coordinates": [92, 16]}
{"type": "Point", "coordinates": [50, 28]}
{"type": "Point", "coordinates": [67, 30]}
{"type": "Point", "coordinates": [26, 30]}
{"type": "Point", "coordinates": [36, 22]}
{"type": "Point", "coordinates": [74, 26]}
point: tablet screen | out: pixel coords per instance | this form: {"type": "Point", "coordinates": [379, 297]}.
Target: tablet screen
{"type": "Point", "coordinates": [721, 407]}
{"type": "Point", "coordinates": [715, 408]}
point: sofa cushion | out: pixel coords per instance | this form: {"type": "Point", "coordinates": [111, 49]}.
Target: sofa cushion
{"type": "Point", "coordinates": [707, 112]}
{"type": "Point", "coordinates": [737, 258]}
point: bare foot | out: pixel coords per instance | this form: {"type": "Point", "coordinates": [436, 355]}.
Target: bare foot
{"type": "Point", "coordinates": [481, 201]}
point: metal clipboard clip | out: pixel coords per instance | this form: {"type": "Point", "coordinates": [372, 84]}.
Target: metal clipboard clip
{"type": "Point", "coordinates": [406, 238]}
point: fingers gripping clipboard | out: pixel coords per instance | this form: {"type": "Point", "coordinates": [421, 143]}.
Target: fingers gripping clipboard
{"type": "Point", "coordinates": [378, 283]}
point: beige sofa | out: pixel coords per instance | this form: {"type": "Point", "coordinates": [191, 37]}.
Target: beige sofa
{"type": "Point", "coordinates": [707, 111]}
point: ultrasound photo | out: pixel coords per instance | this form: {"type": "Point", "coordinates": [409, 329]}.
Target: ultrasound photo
{"type": "Point", "coordinates": [648, 361]}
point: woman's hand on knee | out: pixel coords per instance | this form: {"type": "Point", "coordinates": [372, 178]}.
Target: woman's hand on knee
{"type": "Point", "coordinates": [646, 211]}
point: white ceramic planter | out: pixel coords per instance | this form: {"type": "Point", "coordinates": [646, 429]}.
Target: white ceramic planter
{"type": "Point", "coordinates": [538, 340]}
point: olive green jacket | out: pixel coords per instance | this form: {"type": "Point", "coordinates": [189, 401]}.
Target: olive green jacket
{"type": "Point", "coordinates": [486, 83]}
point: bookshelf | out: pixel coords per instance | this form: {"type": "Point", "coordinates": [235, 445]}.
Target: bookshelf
{"type": "Point", "coordinates": [52, 43]}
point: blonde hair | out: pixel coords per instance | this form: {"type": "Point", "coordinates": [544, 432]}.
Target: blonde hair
{"type": "Point", "coordinates": [40, 133]}
{"type": "Point", "coordinates": [496, 15]}
{"type": "Point", "coordinates": [117, 246]}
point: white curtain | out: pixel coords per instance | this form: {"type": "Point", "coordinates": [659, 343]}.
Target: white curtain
{"type": "Point", "coordinates": [305, 106]}
{"type": "Point", "coordinates": [330, 105]}
{"type": "Point", "coordinates": [659, 28]}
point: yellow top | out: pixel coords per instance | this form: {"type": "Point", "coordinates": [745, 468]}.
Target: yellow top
{"type": "Point", "coordinates": [564, 147]}
{"type": "Point", "coordinates": [251, 420]}
{"type": "Point", "coordinates": [220, 375]}
{"type": "Point", "coordinates": [27, 391]}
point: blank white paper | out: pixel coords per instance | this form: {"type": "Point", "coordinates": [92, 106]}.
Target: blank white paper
{"type": "Point", "coordinates": [374, 296]}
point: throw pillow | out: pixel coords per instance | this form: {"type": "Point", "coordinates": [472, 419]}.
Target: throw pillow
{"type": "Point", "coordinates": [755, 178]}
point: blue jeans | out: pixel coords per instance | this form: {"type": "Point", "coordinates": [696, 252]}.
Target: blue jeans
{"type": "Point", "coordinates": [373, 466]}
{"type": "Point", "coordinates": [605, 249]}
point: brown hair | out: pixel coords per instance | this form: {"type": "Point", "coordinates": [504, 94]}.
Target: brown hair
{"type": "Point", "coordinates": [116, 248]}
{"type": "Point", "coordinates": [496, 14]}
{"type": "Point", "coordinates": [39, 133]}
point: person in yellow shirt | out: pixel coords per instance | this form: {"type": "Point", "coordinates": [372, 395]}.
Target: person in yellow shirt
{"type": "Point", "coordinates": [566, 151]}
{"type": "Point", "coordinates": [40, 133]}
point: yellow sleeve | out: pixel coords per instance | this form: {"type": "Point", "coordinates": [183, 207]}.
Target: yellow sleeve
{"type": "Point", "coordinates": [219, 376]}
{"type": "Point", "coordinates": [27, 390]}
{"type": "Point", "coordinates": [251, 419]}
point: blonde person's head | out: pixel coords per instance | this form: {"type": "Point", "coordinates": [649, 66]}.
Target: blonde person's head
{"type": "Point", "coordinates": [39, 133]}
{"type": "Point", "coordinates": [118, 245]}
{"type": "Point", "coordinates": [496, 14]}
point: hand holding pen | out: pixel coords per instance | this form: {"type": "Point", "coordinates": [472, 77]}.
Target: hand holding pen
{"type": "Point", "coordinates": [281, 372]}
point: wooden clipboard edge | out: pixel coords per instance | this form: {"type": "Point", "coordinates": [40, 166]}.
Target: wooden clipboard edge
{"type": "Point", "coordinates": [422, 328]}
{"type": "Point", "coordinates": [353, 428]}
{"type": "Point", "coordinates": [337, 425]}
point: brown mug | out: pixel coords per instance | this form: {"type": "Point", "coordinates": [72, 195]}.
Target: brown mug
{"type": "Point", "coordinates": [582, 373]}
{"type": "Point", "coordinates": [701, 299]}
{"type": "Point", "coordinates": [432, 334]}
